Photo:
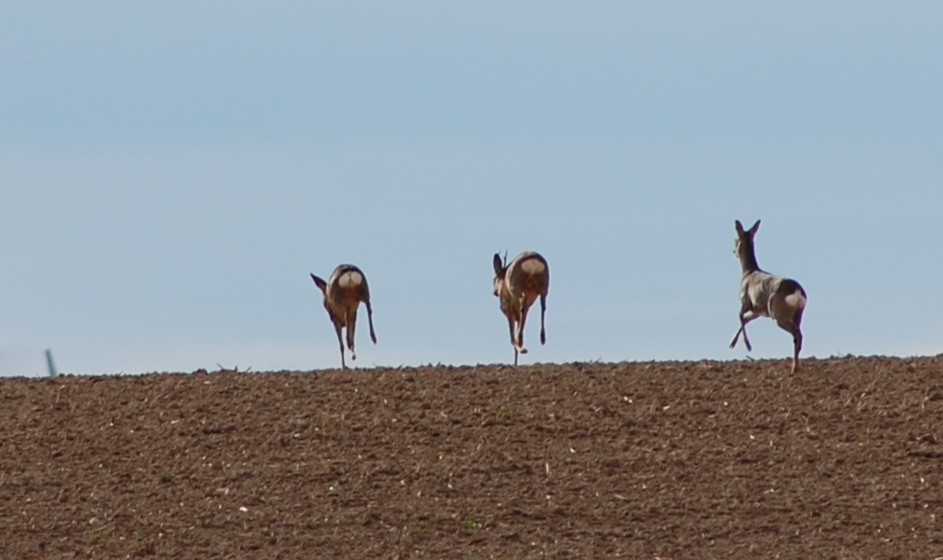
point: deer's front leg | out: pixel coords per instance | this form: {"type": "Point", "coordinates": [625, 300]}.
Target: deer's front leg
{"type": "Point", "coordinates": [736, 336]}
{"type": "Point", "coordinates": [745, 317]}
{"type": "Point", "coordinates": [340, 342]}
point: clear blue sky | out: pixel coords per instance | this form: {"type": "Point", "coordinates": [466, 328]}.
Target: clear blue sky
{"type": "Point", "coordinates": [172, 171]}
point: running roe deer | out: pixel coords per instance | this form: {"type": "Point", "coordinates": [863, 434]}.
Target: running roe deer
{"type": "Point", "coordinates": [765, 295]}
{"type": "Point", "coordinates": [517, 285]}
{"type": "Point", "coordinates": [343, 292]}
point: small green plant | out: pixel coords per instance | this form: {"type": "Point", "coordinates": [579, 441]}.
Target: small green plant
{"type": "Point", "coordinates": [471, 525]}
{"type": "Point", "coordinates": [99, 534]}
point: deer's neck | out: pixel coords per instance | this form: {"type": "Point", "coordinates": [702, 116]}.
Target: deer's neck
{"type": "Point", "coordinates": [748, 259]}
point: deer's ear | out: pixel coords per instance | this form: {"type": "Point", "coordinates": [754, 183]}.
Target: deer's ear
{"type": "Point", "coordinates": [321, 284]}
{"type": "Point", "coordinates": [738, 225]}
{"type": "Point", "coordinates": [754, 229]}
{"type": "Point", "coordinates": [498, 265]}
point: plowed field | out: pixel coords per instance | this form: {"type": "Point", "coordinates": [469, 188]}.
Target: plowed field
{"type": "Point", "coordinates": [586, 460]}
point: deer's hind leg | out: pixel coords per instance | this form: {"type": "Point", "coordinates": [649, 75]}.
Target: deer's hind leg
{"type": "Point", "coordinates": [519, 344]}
{"type": "Point", "coordinates": [543, 310]}
{"type": "Point", "coordinates": [789, 320]}
{"type": "Point", "coordinates": [351, 329]}
{"type": "Point", "coordinates": [373, 335]}
{"type": "Point", "coordinates": [793, 329]}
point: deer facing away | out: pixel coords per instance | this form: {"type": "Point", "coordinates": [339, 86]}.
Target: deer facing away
{"type": "Point", "coordinates": [343, 292]}
{"type": "Point", "coordinates": [765, 295]}
{"type": "Point", "coordinates": [517, 286]}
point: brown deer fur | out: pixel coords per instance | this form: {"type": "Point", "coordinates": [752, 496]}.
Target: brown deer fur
{"type": "Point", "coordinates": [343, 292]}
{"type": "Point", "coordinates": [517, 286]}
{"type": "Point", "coordinates": [765, 295]}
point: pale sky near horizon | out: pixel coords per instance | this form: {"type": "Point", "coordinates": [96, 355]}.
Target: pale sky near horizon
{"type": "Point", "coordinates": [173, 171]}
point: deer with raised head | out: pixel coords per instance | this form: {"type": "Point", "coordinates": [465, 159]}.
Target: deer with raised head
{"type": "Point", "coordinates": [766, 295]}
{"type": "Point", "coordinates": [517, 286]}
{"type": "Point", "coordinates": [343, 292]}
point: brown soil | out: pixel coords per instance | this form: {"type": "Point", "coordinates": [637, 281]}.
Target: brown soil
{"type": "Point", "coordinates": [585, 460]}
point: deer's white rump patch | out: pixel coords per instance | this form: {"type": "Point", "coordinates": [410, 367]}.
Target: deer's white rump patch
{"type": "Point", "coordinates": [796, 300]}
{"type": "Point", "coordinates": [350, 279]}
{"type": "Point", "coordinates": [533, 266]}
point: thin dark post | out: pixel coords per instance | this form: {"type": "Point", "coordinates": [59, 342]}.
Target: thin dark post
{"type": "Point", "coordinates": [51, 364]}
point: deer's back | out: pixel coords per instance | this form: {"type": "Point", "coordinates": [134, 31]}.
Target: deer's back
{"type": "Point", "coordinates": [760, 288]}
